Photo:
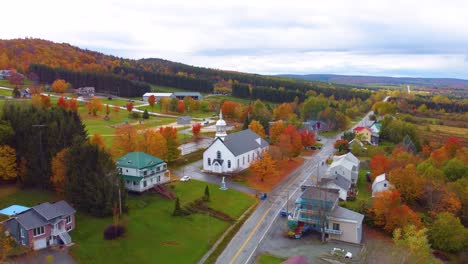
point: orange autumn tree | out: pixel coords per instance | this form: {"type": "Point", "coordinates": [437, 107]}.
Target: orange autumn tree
{"type": "Point", "coordinates": [388, 211]}
{"type": "Point", "coordinates": [229, 109]}
{"type": "Point", "coordinates": [256, 127]}
{"type": "Point", "coordinates": [45, 102]}
{"type": "Point", "coordinates": [379, 164]}
{"type": "Point", "coordinates": [408, 182]}
{"type": "Point", "coordinates": [97, 140]}
{"type": "Point", "coordinates": [180, 106]}
{"type": "Point", "coordinates": [290, 142]}
{"type": "Point", "coordinates": [452, 145]}
{"type": "Point", "coordinates": [264, 167]}
{"type": "Point", "coordinates": [60, 86]}
{"type": "Point", "coordinates": [282, 111]}
{"type": "Point", "coordinates": [73, 105]}
{"type": "Point", "coordinates": [59, 170]}
{"type": "Point", "coordinates": [153, 143]}
{"type": "Point", "coordinates": [276, 130]}
{"type": "Point", "coordinates": [94, 105]}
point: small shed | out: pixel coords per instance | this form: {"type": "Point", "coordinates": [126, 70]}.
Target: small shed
{"type": "Point", "coordinates": [380, 184]}
{"type": "Point", "coordinates": [184, 120]}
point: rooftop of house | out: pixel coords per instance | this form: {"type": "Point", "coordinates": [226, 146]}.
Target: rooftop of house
{"type": "Point", "coordinates": [339, 180]}
{"type": "Point", "coordinates": [361, 128]}
{"type": "Point", "coordinates": [349, 161]}
{"type": "Point", "coordinates": [138, 160]}
{"type": "Point", "coordinates": [41, 214]}
{"type": "Point", "coordinates": [187, 94]}
{"type": "Point", "coordinates": [320, 194]}
{"type": "Point", "coordinates": [343, 213]}
{"type": "Point", "coordinates": [378, 179]}
{"type": "Point", "coordinates": [244, 141]}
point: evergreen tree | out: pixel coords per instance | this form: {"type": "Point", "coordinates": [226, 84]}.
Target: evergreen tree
{"type": "Point", "coordinates": [177, 209]}
{"type": "Point", "coordinates": [145, 114]}
{"type": "Point", "coordinates": [206, 196]}
{"type": "Point", "coordinates": [93, 182]}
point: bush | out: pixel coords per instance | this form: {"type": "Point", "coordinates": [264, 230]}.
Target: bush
{"type": "Point", "coordinates": [113, 232]}
{"type": "Point", "coordinates": [135, 115]}
{"type": "Point", "coordinates": [145, 114]}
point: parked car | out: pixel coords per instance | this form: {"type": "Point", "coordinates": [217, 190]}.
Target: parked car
{"type": "Point", "coordinates": [185, 178]}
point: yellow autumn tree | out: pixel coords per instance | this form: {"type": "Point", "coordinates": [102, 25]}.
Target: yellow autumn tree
{"type": "Point", "coordinates": [276, 130]}
{"type": "Point", "coordinates": [59, 171]}
{"type": "Point", "coordinates": [264, 167]}
{"type": "Point", "coordinates": [8, 169]}
{"type": "Point", "coordinates": [94, 105]}
{"type": "Point", "coordinates": [125, 140]}
{"type": "Point", "coordinates": [256, 127]}
{"type": "Point", "coordinates": [153, 143]}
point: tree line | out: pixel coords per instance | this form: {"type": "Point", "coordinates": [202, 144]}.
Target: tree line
{"type": "Point", "coordinates": [102, 82]}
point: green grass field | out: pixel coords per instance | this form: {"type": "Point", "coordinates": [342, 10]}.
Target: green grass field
{"type": "Point", "coordinates": [364, 192]}
{"type": "Point", "coordinates": [269, 259]}
{"type": "Point", "coordinates": [152, 233]}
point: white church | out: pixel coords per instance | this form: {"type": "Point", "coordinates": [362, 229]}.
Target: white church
{"type": "Point", "coordinates": [234, 152]}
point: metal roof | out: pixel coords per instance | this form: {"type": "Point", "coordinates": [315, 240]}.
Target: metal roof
{"type": "Point", "coordinates": [244, 141]}
{"type": "Point", "coordinates": [343, 213]}
{"type": "Point", "coordinates": [138, 160]}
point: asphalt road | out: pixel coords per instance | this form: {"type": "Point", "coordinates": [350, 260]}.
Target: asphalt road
{"type": "Point", "coordinates": [243, 246]}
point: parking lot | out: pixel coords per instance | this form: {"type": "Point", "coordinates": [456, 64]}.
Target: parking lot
{"type": "Point", "coordinates": [309, 246]}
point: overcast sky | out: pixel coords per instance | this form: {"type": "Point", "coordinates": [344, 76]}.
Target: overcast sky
{"type": "Point", "coordinates": [427, 38]}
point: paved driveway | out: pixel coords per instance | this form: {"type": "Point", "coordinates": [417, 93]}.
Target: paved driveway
{"type": "Point", "coordinates": [194, 170]}
{"type": "Point", "coordinates": [45, 256]}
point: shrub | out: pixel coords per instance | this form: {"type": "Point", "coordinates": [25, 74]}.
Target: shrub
{"type": "Point", "coordinates": [135, 115]}
{"type": "Point", "coordinates": [113, 232]}
{"type": "Point", "coordinates": [145, 114]}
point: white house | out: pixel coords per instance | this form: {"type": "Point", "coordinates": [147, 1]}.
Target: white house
{"type": "Point", "coordinates": [233, 152]}
{"type": "Point", "coordinates": [339, 183]}
{"type": "Point", "coordinates": [346, 165]}
{"type": "Point", "coordinates": [142, 171]}
{"type": "Point", "coordinates": [157, 96]}
{"type": "Point", "coordinates": [380, 184]}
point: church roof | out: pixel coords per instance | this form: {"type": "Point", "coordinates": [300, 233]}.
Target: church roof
{"type": "Point", "coordinates": [244, 141]}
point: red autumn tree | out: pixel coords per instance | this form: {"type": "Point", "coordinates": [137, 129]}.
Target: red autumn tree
{"type": "Point", "coordinates": [62, 103]}
{"type": "Point", "coordinates": [307, 138]}
{"type": "Point", "coordinates": [451, 146]}
{"type": "Point", "coordinates": [341, 145]}
{"type": "Point", "coordinates": [290, 142]}
{"type": "Point", "coordinates": [379, 164]}
{"type": "Point", "coordinates": [181, 106]}
{"type": "Point", "coordinates": [129, 107]}
{"type": "Point", "coordinates": [400, 217]}
{"type": "Point", "coordinates": [73, 105]}
{"type": "Point", "coordinates": [152, 101]}
{"type": "Point", "coordinates": [439, 156]}
{"type": "Point", "coordinates": [196, 129]}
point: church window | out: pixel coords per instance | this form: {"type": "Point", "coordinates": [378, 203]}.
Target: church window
{"type": "Point", "coordinates": [209, 162]}
{"type": "Point", "coordinates": [248, 157]}
{"type": "Point", "coordinates": [229, 164]}
{"type": "Point", "coordinates": [218, 154]}
{"type": "Point", "coordinates": [243, 160]}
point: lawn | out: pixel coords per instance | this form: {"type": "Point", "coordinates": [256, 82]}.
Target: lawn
{"type": "Point", "coordinates": [269, 259]}
{"type": "Point", "coordinates": [196, 114]}
{"type": "Point", "coordinates": [166, 89]}
{"type": "Point", "coordinates": [364, 192]}
{"type": "Point", "coordinates": [153, 235]}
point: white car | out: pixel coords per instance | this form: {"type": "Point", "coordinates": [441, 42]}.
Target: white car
{"type": "Point", "coordinates": [185, 178]}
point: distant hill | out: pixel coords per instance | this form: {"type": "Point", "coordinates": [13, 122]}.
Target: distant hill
{"type": "Point", "coordinates": [382, 80]}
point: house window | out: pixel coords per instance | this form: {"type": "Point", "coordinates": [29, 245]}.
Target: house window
{"type": "Point", "coordinates": [238, 163]}
{"type": "Point", "coordinates": [38, 231]}
{"type": "Point", "coordinates": [218, 154]}
{"type": "Point", "coordinates": [128, 182]}
{"type": "Point", "coordinates": [384, 185]}
{"type": "Point", "coordinates": [229, 164]}
{"type": "Point", "coordinates": [134, 182]}
{"type": "Point", "coordinates": [22, 232]}
{"type": "Point", "coordinates": [145, 173]}
{"type": "Point", "coordinates": [159, 178]}
{"type": "Point", "coordinates": [209, 162]}
{"type": "Point", "coordinates": [120, 170]}
{"type": "Point", "coordinates": [144, 183]}
{"type": "Point", "coordinates": [126, 170]}
{"type": "Point", "coordinates": [336, 226]}
{"type": "Point", "coordinates": [68, 219]}
{"type": "Point", "coordinates": [69, 228]}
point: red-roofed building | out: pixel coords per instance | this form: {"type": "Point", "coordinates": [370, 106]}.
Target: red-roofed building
{"type": "Point", "coordinates": [363, 133]}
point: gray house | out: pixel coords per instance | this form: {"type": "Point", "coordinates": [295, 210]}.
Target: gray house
{"type": "Point", "coordinates": [184, 120]}
{"type": "Point", "coordinates": [43, 225]}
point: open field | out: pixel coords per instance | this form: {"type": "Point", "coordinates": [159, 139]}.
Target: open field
{"type": "Point", "coordinates": [166, 89]}
{"type": "Point", "coordinates": [152, 233]}
{"type": "Point", "coordinates": [196, 114]}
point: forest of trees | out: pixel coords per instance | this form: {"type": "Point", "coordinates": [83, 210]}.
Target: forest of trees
{"type": "Point", "coordinates": [102, 82]}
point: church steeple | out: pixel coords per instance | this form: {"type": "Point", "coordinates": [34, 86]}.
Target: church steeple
{"type": "Point", "coordinates": [221, 127]}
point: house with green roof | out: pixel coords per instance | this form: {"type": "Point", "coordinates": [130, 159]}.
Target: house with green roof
{"type": "Point", "coordinates": [142, 171]}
